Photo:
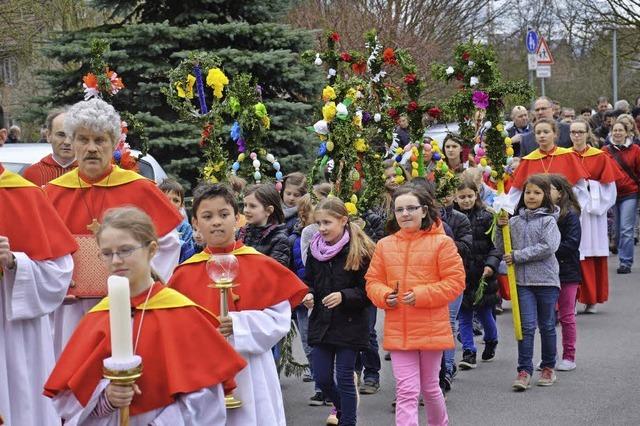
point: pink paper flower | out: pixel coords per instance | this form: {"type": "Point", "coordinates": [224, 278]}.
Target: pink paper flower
{"type": "Point", "coordinates": [480, 99]}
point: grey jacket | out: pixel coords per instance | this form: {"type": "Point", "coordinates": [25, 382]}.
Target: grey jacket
{"type": "Point", "coordinates": [534, 240]}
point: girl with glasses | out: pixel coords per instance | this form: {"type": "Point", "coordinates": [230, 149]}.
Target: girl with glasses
{"type": "Point", "coordinates": [171, 334]}
{"type": "Point", "coordinates": [413, 276]}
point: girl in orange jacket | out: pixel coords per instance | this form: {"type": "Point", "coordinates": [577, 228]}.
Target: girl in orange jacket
{"type": "Point", "coordinates": [413, 275]}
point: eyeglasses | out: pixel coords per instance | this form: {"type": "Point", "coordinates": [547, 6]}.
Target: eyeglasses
{"type": "Point", "coordinates": [107, 256]}
{"type": "Point", "coordinates": [408, 209]}
{"type": "Point", "coordinates": [577, 132]}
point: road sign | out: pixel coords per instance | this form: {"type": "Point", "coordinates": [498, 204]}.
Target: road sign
{"type": "Point", "coordinates": [543, 53]}
{"type": "Point", "coordinates": [532, 61]}
{"type": "Point", "coordinates": [543, 71]}
{"type": "Point", "coordinates": [531, 41]}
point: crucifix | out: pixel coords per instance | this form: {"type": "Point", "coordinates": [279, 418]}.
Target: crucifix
{"type": "Point", "coordinates": [94, 226]}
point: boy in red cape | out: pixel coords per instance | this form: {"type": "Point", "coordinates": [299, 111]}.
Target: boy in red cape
{"type": "Point", "coordinates": [185, 359]}
{"type": "Point", "coordinates": [35, 272]}
{"type": "Point", "coordinates": [260, 306]}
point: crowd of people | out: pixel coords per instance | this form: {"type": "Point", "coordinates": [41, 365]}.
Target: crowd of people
{"type": "Point", "coordinates": [436, 266]}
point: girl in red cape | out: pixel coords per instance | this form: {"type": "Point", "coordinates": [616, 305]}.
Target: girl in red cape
{"type": "Point", "coordinates": [260, 305]}
{"type": "Point", "coordinates": [185, 359]}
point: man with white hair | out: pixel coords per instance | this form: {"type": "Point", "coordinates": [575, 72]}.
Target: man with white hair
{"type": "Point", "coordinates": [623, 106]}
{"type": "Point", "coordinates": [82, 195]}
{"type": "Point", "coordinates": [520, 119]}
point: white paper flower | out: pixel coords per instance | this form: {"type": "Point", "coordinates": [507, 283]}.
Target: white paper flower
{"type": "Point", "coordinates": [471, 63]}
{"type": "Point", "coordinates": [318, 60]}
{"type": "Point", "coordinates": [341, 110]}
{"type": "Point", "coordinates": [450, 70]}
{"type": "Point", "coordinates": [321, 127]}
{"type": "Point", "coordinates": [377, 117]}
{"type": "Point", "coordinates": [487, 125]}
{"type": "Point", "coordinates": [474, 81]}
{"type": "Point", "coordinates": [332, 72]}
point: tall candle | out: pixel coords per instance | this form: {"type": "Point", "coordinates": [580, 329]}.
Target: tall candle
{"type": "Point", "coordinates": [120, 318]}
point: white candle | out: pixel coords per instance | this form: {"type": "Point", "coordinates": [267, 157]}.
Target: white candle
{"type": "Point", "coordinates": [120, 318]}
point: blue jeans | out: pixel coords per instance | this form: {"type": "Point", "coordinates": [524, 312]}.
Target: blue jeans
{"type": "Point", "coordinates": [341, 390]}
{"type": "Point", "coordinates": [485, 315]}
{"type": "Point", "coordinates": [625, 211]}
{"type": "Point", "coordinates": [450, 354]}
{"type": "Point", "coordinates": [537, 306]}
{"type": "Point", "coordinates": [370, 358]}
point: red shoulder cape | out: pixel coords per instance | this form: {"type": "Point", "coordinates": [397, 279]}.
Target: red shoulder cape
{"type": "Point", "coordinates": [600, 166]}
{"type": "Point", "coordinates": [559, 160]}
{"type": "Point", "coordinates": [76, 206]}
{"type": "Point", "coordinates": [181, 349]}
{"type": "Point", "coordinates": [29, 220]}
{"type": "Point", "coordinates": [261, 282]}
{"type": "Point", "coordinates": [46, 170]}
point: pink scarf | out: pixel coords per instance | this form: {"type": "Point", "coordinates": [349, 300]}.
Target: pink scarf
{"type": "Point", "coordinates": [324, 251]}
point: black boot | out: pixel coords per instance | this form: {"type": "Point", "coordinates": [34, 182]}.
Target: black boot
{"type": "Point", "coordinates": [468, 360]}
{"type": "Point", "coordinates": [489, 352]}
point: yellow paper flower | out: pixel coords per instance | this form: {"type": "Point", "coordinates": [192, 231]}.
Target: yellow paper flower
{"type": "Point", "coordinates": [357, 120]}
{"type": "Point", "coordinates": [328, 94]}
{"type": "Point", "coordinates": [217, 80]}
{"type": "Point", "coordinates": [360, 145]}
{"type": "Point", "coordinates": [509, 151]}
{"type": "Point", "coordinates": [351, 93]}
{"type": "Point", "coordinates": [351, 208]}
{"type": "Point", "coordinates": [209, 174]}
{"type": "Point", "coordinates": [329, 111]}
{"type": "Point", "coordinates": [507, 141]}
{"type": "Point", "coordinates": [354, 199]}
{"type": "Point", "coordinates": [189, 92]}
{"type": "Point", "coordinates": [266, 122]}
{"type": "Point", "coordinates": [500, 127]}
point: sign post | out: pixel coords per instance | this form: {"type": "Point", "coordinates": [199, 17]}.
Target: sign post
{"type": "Point", "coordinates": [531, 42]}
{"type": "Point", "coordinates": [544, 61]}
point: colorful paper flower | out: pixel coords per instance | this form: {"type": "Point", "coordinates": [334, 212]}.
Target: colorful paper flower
{"type": "Point", "coordinates": [234, 104]}
{"type": "Point", "coordinates": [328, 94]}
{"type": "Point", "coordinates": [466, 56]}
{"type": "Point", "coordinates": [393, 113]}
{"type": "Point", "coordinates": [116, 82]}
{"type": "Point", "coordinates": [389, 56]}
{"type": "Point", "coordinates": [449, 70]}
{"type": "Point", "coordinates": [236, 131]}
{"type": "Point", "coordinates": [435, 112]}
{"type": "Point", "coordinates": [346, 57]}
{"type": "Point", "coordinates": [217, 80]}
{"type": "Point", "coordinates": [474, 81]}
{"type": "Point", "coordinates": [480, 99]}
{"type": "Point", "coordinates": [351, 208]}
{"type": "Point", "coordinates": [188, 93]}
{"type": "Point", "coordinates": [359, 67]}
{"type": "Point", "coordinates": [318, 60]}
{"type": "Point", "coordinates": [90, 85]}
{"type": "Point", "coordinates": [410, 78]}
{"type": "Point", "coordinates": [412, 106]}
{"type": "Point", "coordinates": [360, 145]}
{"type": "Point", "coordinates": [260, 110]}
{"type": "Point", "coordinates": [329, 111]}
{"type": "Point", "coordinates": [459, 76]}
{"type": "Point", "coordinates": [335, 36]}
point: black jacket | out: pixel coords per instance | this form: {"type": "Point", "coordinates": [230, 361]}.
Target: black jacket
{"type": "Point", "coordinates": [375, 221]}
{"type": "Point", "coordinates": [528, 143]}
{"type": "Point", "coordinates": [346, 325]}
{"type": "Point", "coordinates": [483, 253]}
{"type": "Point", "coordinates": [461, 228]}
{"type": "Point", "coordinates": [568, 253]}
{"type": "Point", "coordinates": [270, 240]}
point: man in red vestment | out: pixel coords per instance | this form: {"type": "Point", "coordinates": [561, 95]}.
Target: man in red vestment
{"type": "Point", "coordinates": [82, 195]}
{"type": "Point", "coordinates": [61, 160]}
{"type": "Point", "coordinates": [35, 272]}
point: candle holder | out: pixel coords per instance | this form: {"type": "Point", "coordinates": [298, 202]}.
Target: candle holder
{"type": "Point", "coordinates": [122, 373]}
{"type": "Point", "coordinates": [223, 269]}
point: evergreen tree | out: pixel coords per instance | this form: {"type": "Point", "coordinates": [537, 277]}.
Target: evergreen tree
{"type": "Point", "coordinates": [149, 38]}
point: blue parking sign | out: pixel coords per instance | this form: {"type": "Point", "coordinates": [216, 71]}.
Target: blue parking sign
{"type": "Point", "coordinates": [532, 41]}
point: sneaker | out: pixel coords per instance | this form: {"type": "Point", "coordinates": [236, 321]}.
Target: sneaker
{"type": "Point", "coordinates": [454, 371]}
{"type": "Point", "coordinates": [522, 382]}
{"type": "Point", "coordinates": [369, 387]}
{"type": "Point", "coordinates": [307, 377]}
{"type": "Point", "coordinates": [317, 400]}
{"type": "Point", "coordinates": [566, 365]}
{"type": "Point", "coordinates": [387, 356]}
{"type": "Point", "coordinates": [623, 270]}
{"type": "Point", "coordinates": [498, 309]}
{"type": "Point", "coordinates": [489, 352]}
{"type": "Point", "coordinates": [547, 377]}
{"type": "Point", "coordinates": [333, 417]}
{"type": "Point", "coordinates": [590, 309]}
{"type": "Point", "coordinates": [468, 360]}
{"type": "Point", "coordinates": [539, 366]}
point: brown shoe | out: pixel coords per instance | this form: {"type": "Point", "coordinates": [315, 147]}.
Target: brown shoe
{"type": "Point", "coordinates": [522, 382]}
{"type": "Point", "coordinates": [547, 377]}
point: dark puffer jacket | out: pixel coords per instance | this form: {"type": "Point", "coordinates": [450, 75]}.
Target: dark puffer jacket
{"type": "Point", "coordinates": [568, 253]}
{"type": "Point", "coordinates": [270, 240]}
{"type": "Point", "coordinates": [461, 228]}
{"type": "Point", "coordinates": [483, 253]}
{"type": "Point", "coordinates": [346, 325]}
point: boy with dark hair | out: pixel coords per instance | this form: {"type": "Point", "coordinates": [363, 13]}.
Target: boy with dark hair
{"type": "Point", "coordinates": [175, 193]}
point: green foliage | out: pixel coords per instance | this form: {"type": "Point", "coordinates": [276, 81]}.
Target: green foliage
{"type": "Point", "coordinates": [154, 37]}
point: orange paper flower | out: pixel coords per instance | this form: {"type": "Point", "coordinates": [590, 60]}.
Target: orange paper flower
{"type": "Point", "coordinates": [90, 80]}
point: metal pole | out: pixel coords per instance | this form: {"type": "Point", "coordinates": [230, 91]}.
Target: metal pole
{"type": "Point", "coordinates": [614, 72]}
{"type": "Point", "coordinates": [542, 86]}
{"type": "Point", "coordinates": [532, 84]}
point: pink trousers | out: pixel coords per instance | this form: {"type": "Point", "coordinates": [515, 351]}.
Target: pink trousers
{"type": "Point", "coordinates": [415, 372]}
{"type": "Point", "coordinates": [567, 318]}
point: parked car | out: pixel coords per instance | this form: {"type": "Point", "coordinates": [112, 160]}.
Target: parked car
{"type": "Point", "coordinates": [17, 157]}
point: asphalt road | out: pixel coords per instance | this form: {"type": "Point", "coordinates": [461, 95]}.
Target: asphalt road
{"type": "Point", "coordinates": [603, 390]}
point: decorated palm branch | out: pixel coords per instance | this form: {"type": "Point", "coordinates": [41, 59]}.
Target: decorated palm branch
{"type": "Point", "coordinates": [478, 107]}
{"type": "Point", "coordinates": [231, 115]}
